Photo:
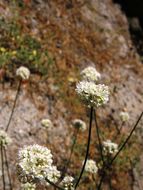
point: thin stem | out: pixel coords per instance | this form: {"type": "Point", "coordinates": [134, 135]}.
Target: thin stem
{"type": "Point", "coordinates": [127, 139]}
{"type": "Point", "coordinates": [110, 184]}
{"type": "Point", "coordinates": [98, 136]}
{"type": "Point", "coordinates": [69, 160]}
{"type": "Point", "coordinates": [8, 171]}
{"type": "Point", "coordinates": [53, 184]}
{"type": "Point", "coordinates": [123, 145]}
{"type": "Point", "coordinates": [87, 150]}
{"type": "Point", "coordinates": [2, 166]}
{"type": "Point", "coordinates": [12, 112]}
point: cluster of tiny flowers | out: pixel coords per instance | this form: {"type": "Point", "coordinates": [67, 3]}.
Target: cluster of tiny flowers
{"type": "Point", "coordinates": [124, 116]}
{"type": "Point", "coordinates": [47, 123]}
{"type": "Point", "coordinates": [90, 74]}
{"type": "Point", "coordinates": [110, 147]}
{"type": "Point", "coordinates": [67, 183]}
{"type": "Point", "coordinates": [91, 166]}
{"type": "Point", "coordinates": [35, 162]}
{"type": "Point", "coordinates": [92, 94]}
{"type": "Point", "coordinates": [4, 138]}
{"type": "Point", "coordinates": [28, 186]}
{"type": "Point", "coordinates": [23, 73]}
{"type": "Point", "coordinates": [79, 124]}
{"type": "Point", "coordinates": [51, 173]}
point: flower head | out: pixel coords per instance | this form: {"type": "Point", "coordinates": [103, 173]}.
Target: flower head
{"type": "Point", "coordinates": [79, 124]}
{"type": "Point", "coordinates": [28, 186]}
{"type": "Point", "coordinates": [67, 183]}
{"type": "Point", "coordinates": [110, 147]}
{"type": "Point", "coordinates": [90, 74]}
{"type": "Point", "coordinates": [46, 123]}
{"type": "Point", "coordinates": [4, 138]}
{"type": "Point", "coordinates": [23, 73]}
{"type": "Point", "coordinates": [91, 166]}
{"type": "Point", "coordinates": [124, 116]}
{"type": "Point", "coordinates": [92, 94]}
{"type": "Point", "coordinates": [35, 162]}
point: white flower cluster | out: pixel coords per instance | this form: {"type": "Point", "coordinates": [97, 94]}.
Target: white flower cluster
{"type": "Point", "coordinates": [124, 116]}
{"type": "Point", "coordinates": [67, 183]}
{"type": "Point", "coordinates": [110, 147]}
{"type": "Point", "coordinates": [90, 74]}
{"type": "Point", "coordinates": [79, 124]}
{"type": "Point", "coordinates": [91, 166]}
{"type": "Point", "coordinates": [92, 94]}
{"type": "Point", "coordinates": [4, 138]}
{"type": "Point", "coordinates": [23, 73]}
{"type": "Point", "coordinates": [35, 162]}
{"type": "Point", "coordinates": [28, 186]}
{"type": "Point", "coordinates": [47, 123]}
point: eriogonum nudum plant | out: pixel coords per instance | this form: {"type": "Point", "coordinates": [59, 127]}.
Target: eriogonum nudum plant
{"type": "Point", "coordinates": [124, 116]}
{"type": "Point", "coordinates": [90, 74]}
{"type": "Point", "coordinates": [35, 162]}
{"type": "Point", "coordinates": [91, 166]}
{"type": "Point", "coordinates": [110, 147]}
{"type": "Point", "coordinates": [79, 124]}
{"type": "Point", "coordinates": [67, 183]}
{"type": "Point", "coordinates": [47, 123]}
{"type": "Point", "coordinates": [92, 94]}
{"type": "Point", "coordinates": [28, 186]}
{"type": "Point", "coordinates": [23, 73]}
{"type": "Point", "coordinates": [4, 138]}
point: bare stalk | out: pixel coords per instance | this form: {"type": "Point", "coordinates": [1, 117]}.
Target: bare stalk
{"type": "Point", "coordinates": [120, 149]}
{"type": "Point", "coordinates": [65, 169]}
{"type": "Point", "coordinates": [8, 171]}
{"type": "Point", "coordinates": [2, 166]}
{"type": "Point", "coordinates": [87, 150]}
{"type": "Point", "coordinates": [98, 136]}
{"type": "Point", "coordinates": [13, 108]}
{"type": "Point", "coordinates": [54, 185]}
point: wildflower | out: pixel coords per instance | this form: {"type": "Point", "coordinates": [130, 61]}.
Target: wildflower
{"type": "Point", "coordinates": [34, 52]}
{"type": "Point", "coordinates": [110, 147]}
{"type": "Point", "coordinates": [2, 49]}
{"type": "Point", "coordinates": [46, 123]}
{"type": "Point", "coordinates": [35, 162]}
{"type": "Point", "coordinates": [92, 94]}
{"type": "Point", "coordinates": [4, 138]}
{"type": "Point", "coordinates": [124, 116]}
{"type": "Point", "coordinates": [52, 174]}
{"type": "Point", "coordinates": [67, 183]}
{"type": "Point", "coordinates": [91, 166]}
{"type": "Point", "coordinates": [28, 186]}
{"type": "Point", "coordinates": [79, 124]}
{"type": "Point", "coordinates": [14, 53]}
{"type": "Point", "coordinates": [90, 74]}
{"type": "Point", "coordinates": [23, 73]}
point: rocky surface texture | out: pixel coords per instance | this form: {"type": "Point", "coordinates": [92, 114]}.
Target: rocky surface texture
{"type": "Point", "coordinates": [77, 33]}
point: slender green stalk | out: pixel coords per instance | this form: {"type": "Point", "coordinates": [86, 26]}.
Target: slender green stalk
{"type": "Point", "coordinates": [98, 136]}
{"type": "Point", "coordinates": [87, 150]}
{"type": "Point", "coordinates": [13, 108]}
{"type": "Point", "coordinates": [121, 148]}
{"type": "Point", "coordinates": [2, 166]}
{"type": "Point", "coordinates": [8, 171]}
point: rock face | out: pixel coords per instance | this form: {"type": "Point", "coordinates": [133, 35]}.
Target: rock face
{"type": "Point", "coordinates": [77, 33]}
